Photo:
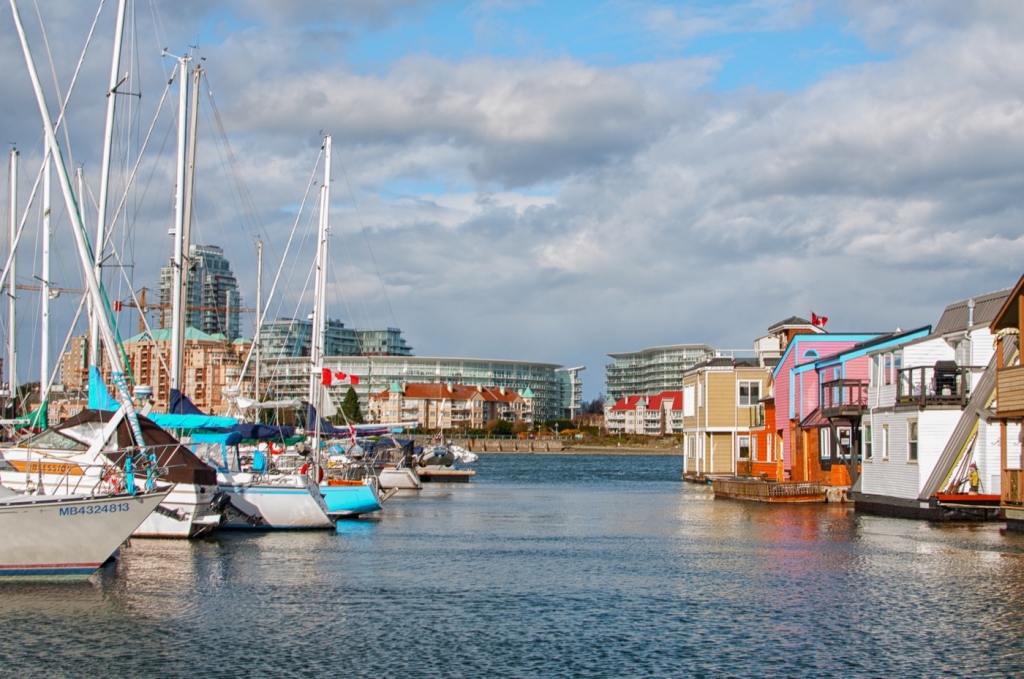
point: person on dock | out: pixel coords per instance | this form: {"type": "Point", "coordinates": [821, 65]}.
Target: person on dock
{"type": "Point", "coordinates": [973, 479]}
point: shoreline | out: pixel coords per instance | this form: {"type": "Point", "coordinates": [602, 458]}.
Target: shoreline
{"type": "Point", "coordinates": [589, 450]}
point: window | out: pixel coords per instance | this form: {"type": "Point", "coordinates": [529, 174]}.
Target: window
{"type": "Point", "coordinates": [912, 441]}
{"type": "Point", "coordinates": [825, 443]}
{"type": "Point", "coordinates": [750, 393]}
{"type": "Point", "coordinates": [753, 448]}
{"type": "Point", "coordinates": [868, 447]}
{"type": "Point", "coordinates": [885, 442]}
{"type": "Point", "coordinates": [744, 444]}
{"type": "Point", "coordinates": [688, 393]}
{"type": "Point", "coordinates": [810, 353]}
{"type": "Point", "coordinates": [887, 370]}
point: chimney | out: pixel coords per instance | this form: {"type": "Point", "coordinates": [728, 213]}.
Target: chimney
{"type": "Point", "coordinates": [970, 313]}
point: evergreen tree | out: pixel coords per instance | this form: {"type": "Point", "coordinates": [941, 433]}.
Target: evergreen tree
{"type": "Point", "coordinates": [350, 406]}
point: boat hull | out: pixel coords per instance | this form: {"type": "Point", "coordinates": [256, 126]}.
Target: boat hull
{"type": "Point", "coordinates": [67, 537]}
{"type": "Point", "coordinates": [350, 499]}
{"type": "Point", "coordinates": [402, 478]}
{"type": "Point", "coordinates": [186, 513]}
{"type": "Point", "coordinates": [290, 502]}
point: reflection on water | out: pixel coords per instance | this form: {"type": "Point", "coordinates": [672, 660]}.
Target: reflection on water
{"type": "Point", "coordinates": [545, 566]}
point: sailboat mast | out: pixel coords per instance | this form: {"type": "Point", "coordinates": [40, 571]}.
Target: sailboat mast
{"type": "Point", "coordinates": [178, 277]}
{"type": "Point", "coordinates": [44, 322]}
{"type": "Point", "coordinates": [316, 353]}
{"type": "Point", "coordinates": [101, 214]}
{"type": "Point", "coordinates": [259, 308]}
{"type": "Point", "coordinates": [85, 255]}
{"type": "Point", "coordinates": [12, 285]}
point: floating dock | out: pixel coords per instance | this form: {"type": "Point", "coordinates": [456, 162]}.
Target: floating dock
{"type": "Point", "coordinates": [756, 490]}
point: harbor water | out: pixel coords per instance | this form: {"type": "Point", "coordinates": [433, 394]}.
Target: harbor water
{"type": "Point", "coordinates": [544, 566]}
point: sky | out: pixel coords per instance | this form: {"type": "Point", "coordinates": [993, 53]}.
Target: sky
{"type": "Point", "coordinates": [550, 181]}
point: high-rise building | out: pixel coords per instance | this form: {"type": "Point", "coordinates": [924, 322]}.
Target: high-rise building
{"type": "Point", "coordinates": [293, 338]}
{"type": "Point", "coordinates": [211, 298]}
{"type": "Point", "coordinates": [652, 371]}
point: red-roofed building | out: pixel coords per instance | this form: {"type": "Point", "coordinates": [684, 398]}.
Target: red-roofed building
{"type": "Point", "coordinates": [647, 415]}
{"type": "Point", "coordinates": [450, 406]}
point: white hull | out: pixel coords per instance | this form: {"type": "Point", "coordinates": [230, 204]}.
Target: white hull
{"type": "Point", "coordinates": [186, 513]}
{"type": "Point", "coordinates": [47, 536]}
{"type": "Point", "coordinates": [401, 478]}
{"type": "Point", "coordinates": [288, 501]}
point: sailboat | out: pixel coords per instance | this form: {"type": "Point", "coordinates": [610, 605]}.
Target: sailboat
{"type": "Point", "coordinates": [71, 535]}
{"type": "Point", "coordinates": [192, 508]}
{"type": "Point", "coordinates": [344, 497]}
{"type": "Point", "coordinates": [257, 499]}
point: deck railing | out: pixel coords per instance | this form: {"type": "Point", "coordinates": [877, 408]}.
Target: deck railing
{"type": "Point", "coordinates": [925, 386]}
{"type": "Point", "coordinates": [843, 398]}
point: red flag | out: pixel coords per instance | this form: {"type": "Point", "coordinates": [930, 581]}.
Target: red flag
{"type": "Point", "coordinates": [345, 378]}
{"type": "Point", "coordinates": [118, 305]}
{"type": "Point", "coordinates": [325, 378]}
{"type": "Point", "coordinates": [817, 320]}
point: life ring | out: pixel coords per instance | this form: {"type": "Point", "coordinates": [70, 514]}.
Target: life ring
{"type": "Point", "coordinates": [320, 472]}
{"type": "Point", "coordinates": [275, 448]}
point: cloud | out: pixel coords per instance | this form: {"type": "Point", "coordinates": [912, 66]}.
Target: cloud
{"type": "Point", "coordinates": [553, 209]}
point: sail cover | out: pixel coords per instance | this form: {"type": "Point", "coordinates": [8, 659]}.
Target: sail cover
{"type": "Point", "coordinates": [179, 463]}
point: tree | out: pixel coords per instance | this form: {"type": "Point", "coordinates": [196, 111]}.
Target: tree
{"type": "Point", "coordinates": [350, 407]}
{"type": "Point", "coordinates": [595, 407]}
{"type": "Point", "coordinates": [498, 427]}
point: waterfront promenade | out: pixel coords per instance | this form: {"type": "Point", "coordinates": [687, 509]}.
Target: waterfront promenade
{"type": "Point", "coordinates": [528, 446]}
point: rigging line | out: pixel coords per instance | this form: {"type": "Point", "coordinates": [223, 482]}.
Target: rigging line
{"type": "Point", "coordinates": [57, 125]}
{"type": "Point", "coordinates": [362, 227]}
{"type": "Point", "coordinates": [145, 323]}
{"type": "Point", "coordinates": [262, 314]}
{"type": "Point", "coordinates": [244, 195]}
{"type": "Point", "coordinates": [51, 380]}
{"type": "Point", "coordinates": [78, 67]}
{"type": "Point", "coordinates": [131, 178]}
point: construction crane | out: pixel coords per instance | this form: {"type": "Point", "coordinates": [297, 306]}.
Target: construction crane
{"type": "Point", "coordinates": [146, 308]}
{"type": "Point", "coordinates": [119, 305]}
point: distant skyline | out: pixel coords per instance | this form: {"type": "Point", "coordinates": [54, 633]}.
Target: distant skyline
{"type": "Point", "coordinates": [555, 181]}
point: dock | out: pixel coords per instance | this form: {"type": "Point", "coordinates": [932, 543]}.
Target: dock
{"type": "Point", "coordinates": [768, 491]}
{"type": "Point", "coordinates": [444, 475]}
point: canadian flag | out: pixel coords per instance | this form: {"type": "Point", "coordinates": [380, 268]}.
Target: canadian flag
{"type": "Point", "coordinates": [817, 320]}
{"type": "Point", "coordinates": [328, 378]}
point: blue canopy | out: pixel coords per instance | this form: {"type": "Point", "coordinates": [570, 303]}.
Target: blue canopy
{"type": "Point", "coordinates": [327, 430]}
{"type": "Point", "coordinates": [99, 395]}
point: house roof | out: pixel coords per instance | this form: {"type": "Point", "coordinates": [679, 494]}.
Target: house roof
{"type": "Point", "coordinates": [789, 322]}
{"type": "Point", "coordinates": [882, 341]}
{"type": "Point", "coordinates": [674, 400]}
{"type": "Point", "coordinates": [454, 392]}
{"type": "Point", "coordinates": [164, 335]}
{"type": "Point", "coordinates": [1008, 315]}
{"type": "Point", "coordinates": [724, 362]}
{"type": "Point", "coordinates": [987, 308]}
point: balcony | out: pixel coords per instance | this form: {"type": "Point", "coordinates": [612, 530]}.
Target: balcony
{"type": "Point", "coordinates": [841, 399]}
{"type": "Point", "coordinates": [944, 384]}
{"type": "Point", "coordinates": [1010, 391]}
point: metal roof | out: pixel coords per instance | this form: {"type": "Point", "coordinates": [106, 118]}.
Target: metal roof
{"type": "Point", "coordinates": [986, 307]}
